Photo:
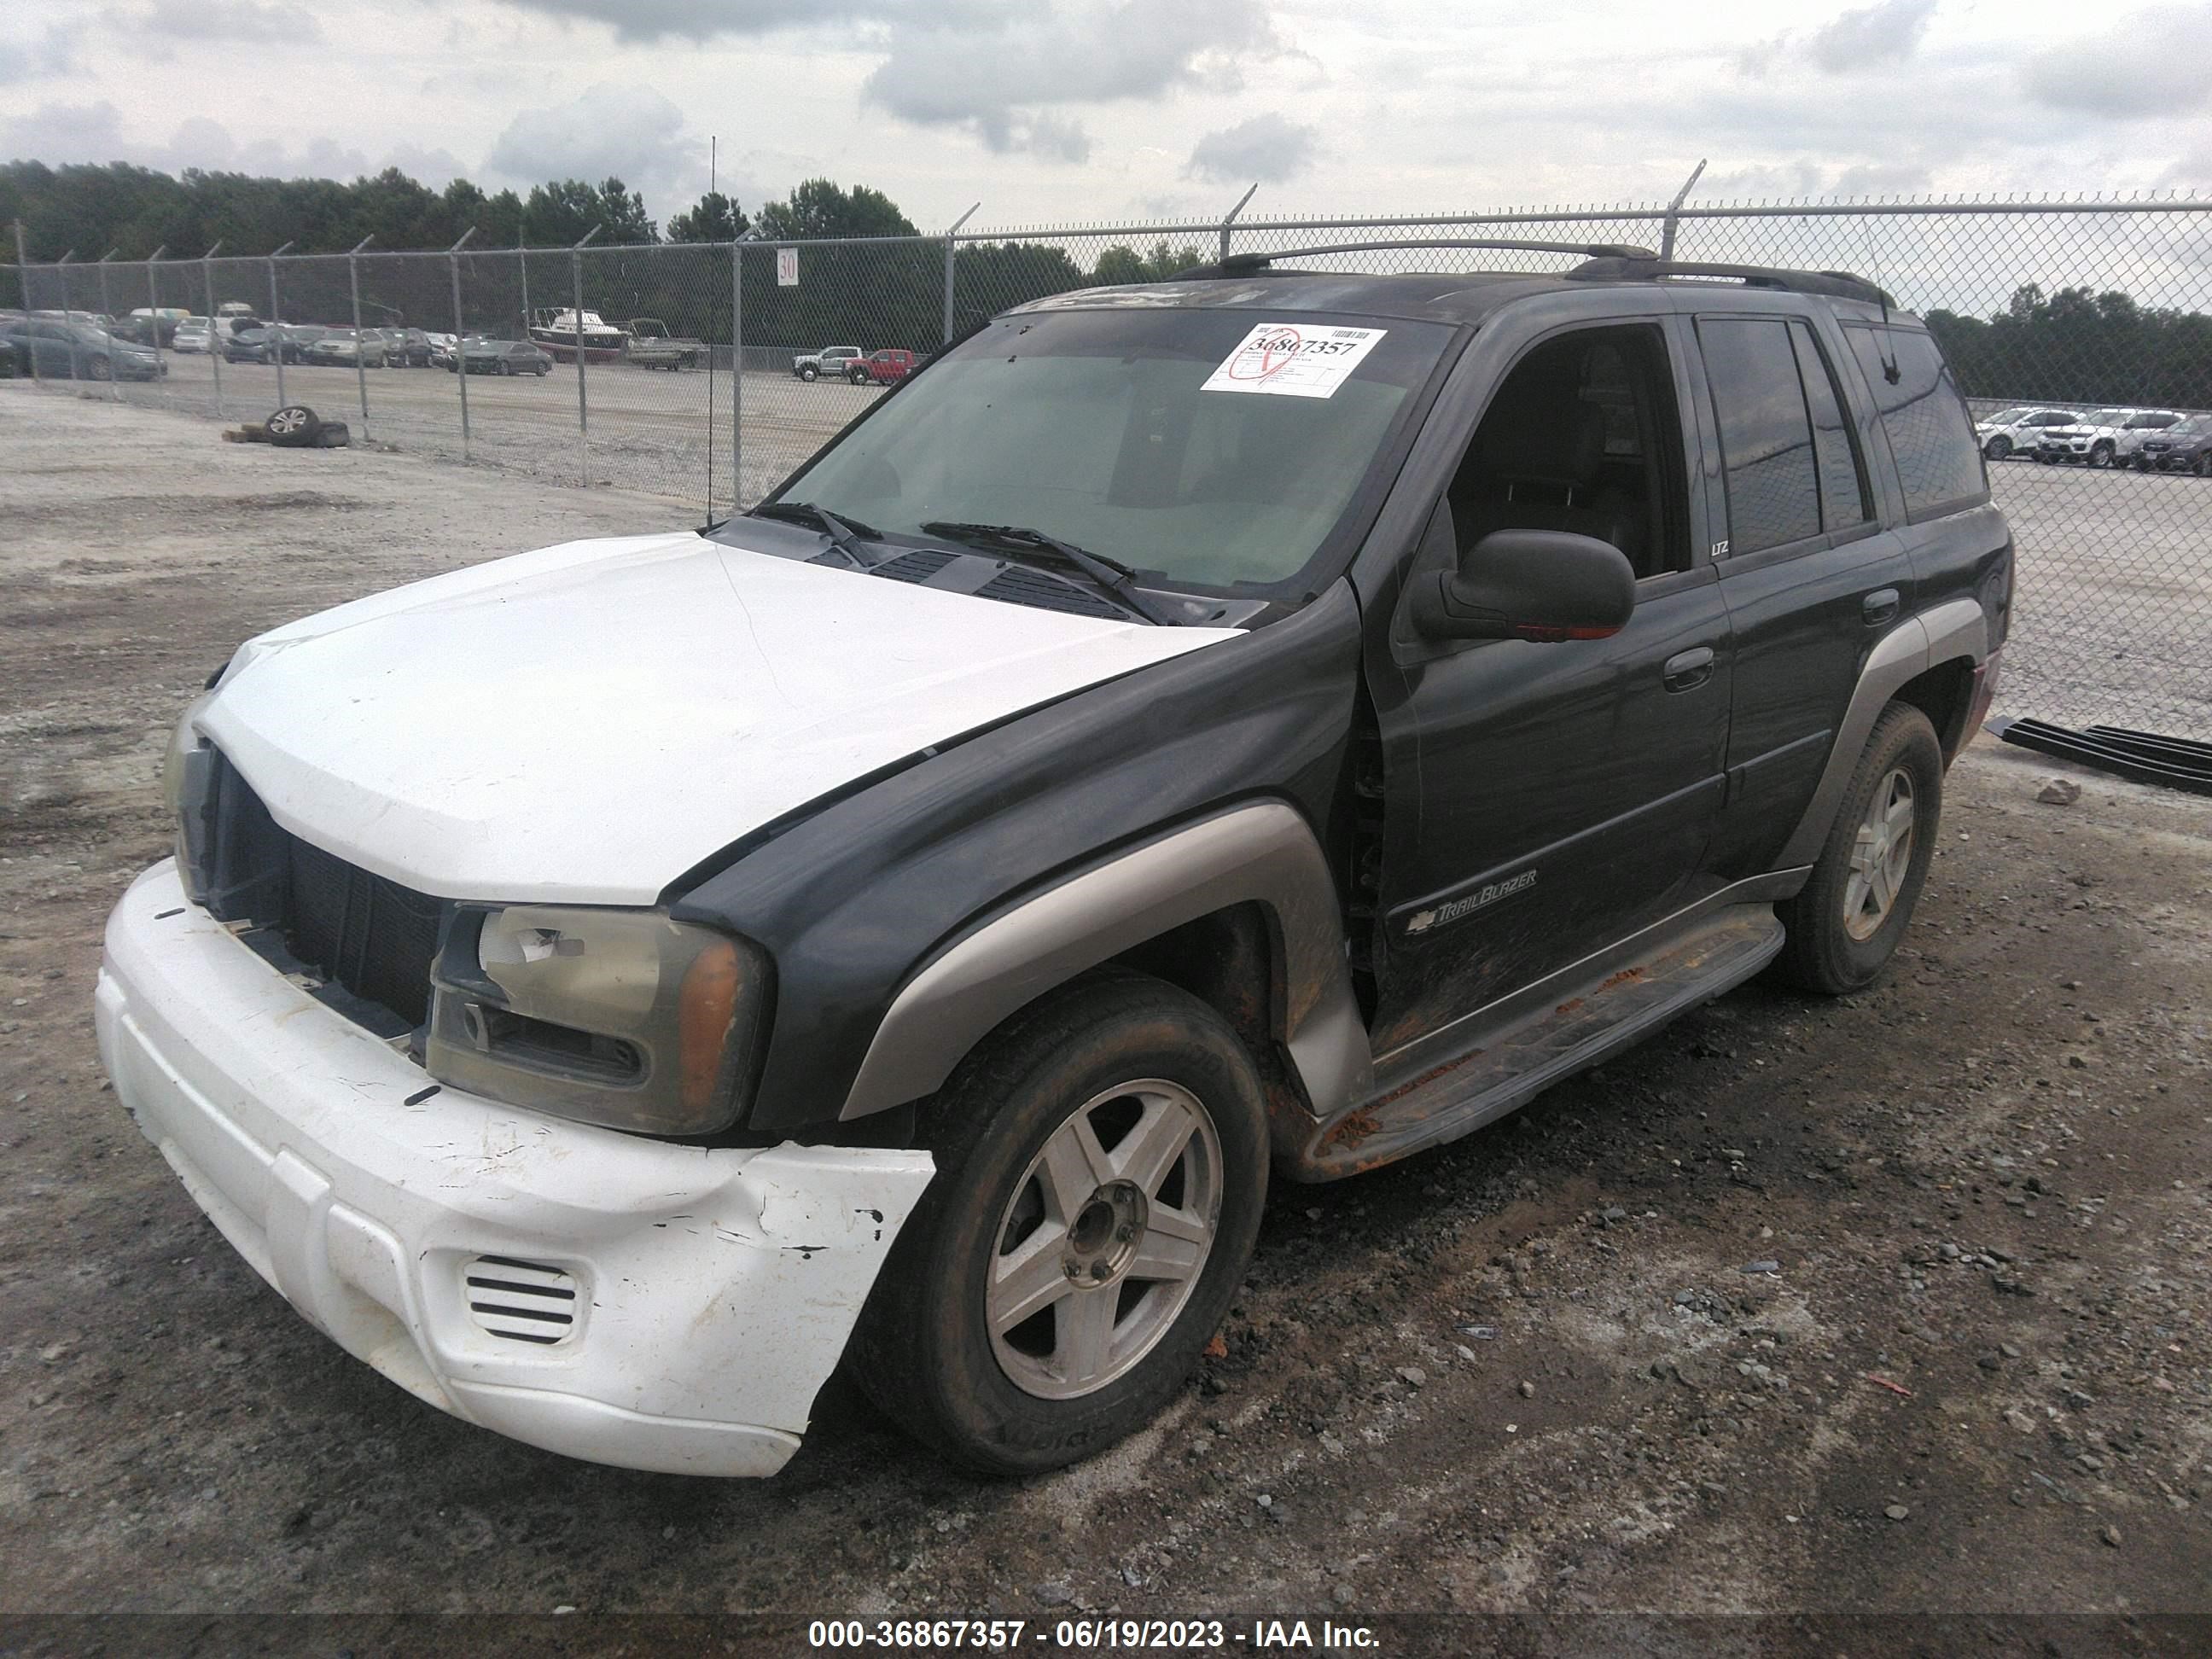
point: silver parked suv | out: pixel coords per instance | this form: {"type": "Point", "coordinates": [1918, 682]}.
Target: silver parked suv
{"type": "Point", "coordinates": [2143, 426]}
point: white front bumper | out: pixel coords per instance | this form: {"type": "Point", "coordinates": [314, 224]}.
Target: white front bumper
{"type": "Point", "coordinates": [716, 1289]}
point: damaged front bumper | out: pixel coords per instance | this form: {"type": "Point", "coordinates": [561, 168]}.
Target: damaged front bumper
{"type": "Point", "coordinates": [598, 1294]}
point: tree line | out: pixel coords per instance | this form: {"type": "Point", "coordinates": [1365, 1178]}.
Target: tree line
{"type": "Point", "coordinates": [2075, 346]}
{"type": "Point", "coordinates": [869, 295]}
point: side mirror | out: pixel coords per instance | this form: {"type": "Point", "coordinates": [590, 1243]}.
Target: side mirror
{"type": "Point", "coordinates": [1545, 585]}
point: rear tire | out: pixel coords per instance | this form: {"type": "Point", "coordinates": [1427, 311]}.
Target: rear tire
{"type": "Point", "coordinates": [1051, 1292]}
{"type": "Point", "coordinates": [1844, 925]}
{"type": "Point", "coordinates": [809, 373]}
{"type": "Point", "coordinates": [1998, 448]}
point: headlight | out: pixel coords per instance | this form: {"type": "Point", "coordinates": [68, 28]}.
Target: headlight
{"type": "Point", "coordinates": [618, 1018]}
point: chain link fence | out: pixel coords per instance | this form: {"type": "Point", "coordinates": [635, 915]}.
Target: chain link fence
{"type": "Point", "coordinates": [707, 371]}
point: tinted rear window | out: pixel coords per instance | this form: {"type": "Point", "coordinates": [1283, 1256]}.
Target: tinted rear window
{"type": "Point", "coordinates": [1930, 435]}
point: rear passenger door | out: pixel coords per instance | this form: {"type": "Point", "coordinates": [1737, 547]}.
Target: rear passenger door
{"type": "Point", "coordinates": [1811, 577]}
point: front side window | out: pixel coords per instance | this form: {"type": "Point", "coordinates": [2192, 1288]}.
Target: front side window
{"type": "Point", "coordinates": [1930, 435]}
{"type": "Point", "coordinates": [1583, 435]}
{"type": "Point", "coordinates": [1100, 428]}
{"type": "Point", "coordinates": [1766, 435]}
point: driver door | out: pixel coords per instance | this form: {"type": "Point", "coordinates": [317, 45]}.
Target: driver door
{"type": "Point", "coordinates": [1543, 801]}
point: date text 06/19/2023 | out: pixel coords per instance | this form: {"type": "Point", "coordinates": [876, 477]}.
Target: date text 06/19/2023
{"type": "Point", "coordinates": [1091, 1635]}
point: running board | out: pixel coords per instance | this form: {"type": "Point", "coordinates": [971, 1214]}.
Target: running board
{"type": "Point", "coordinates": [1591, 1024]}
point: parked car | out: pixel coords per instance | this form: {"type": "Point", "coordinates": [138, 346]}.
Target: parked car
{"type": "Point", "coordinates": [246, 344]}
{"type": "Point", "coordinates": [648, 344]}
{"type": "Point", "coordinates": [149, 323]}
{"type": "Point", "coordinates": [294, 339]}
{"type": "Point", "coordinates": [833, 361]}
{"type": "Point", "coordinates": [504, 357]}
{"type": "Point", "coordinates": [2184, 447]}
{"type": "Point", "coordinates": [195, 336]}
{"type": "Point", "coordinates": [883, 367]}
{"type": "Point", "coordinates": [227, 325]}
{"type": "Point", "coordinates": [2141, 427]}
{"type": "Point", "coordinates": [2017, 431]}
{"type": "Point", "coordinates": [59, 350]}
{"type": "Point", "coordinates": [407, 348]}
{"type": "Point", "coordinates": [1287, 722]}
{"type": "Point", "coordinates": [347, 347]}
{"type": "Point", "coordinates": [2091, 440]}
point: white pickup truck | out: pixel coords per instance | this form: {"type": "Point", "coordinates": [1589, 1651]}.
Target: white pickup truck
{"type": "Point", "coordinates": [834, 362]}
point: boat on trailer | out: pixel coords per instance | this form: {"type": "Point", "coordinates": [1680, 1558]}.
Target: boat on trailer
{"type": "Point", "coordinates": [561, 330]}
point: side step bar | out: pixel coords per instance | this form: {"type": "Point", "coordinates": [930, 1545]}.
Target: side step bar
{"type": "Point", "coordinates": [2145, 756]}
{"type": "Point", "coordinates": [1593, 1022]}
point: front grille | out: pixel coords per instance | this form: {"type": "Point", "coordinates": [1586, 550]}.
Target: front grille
{"type": "Point", "coordinates": [367, 936]}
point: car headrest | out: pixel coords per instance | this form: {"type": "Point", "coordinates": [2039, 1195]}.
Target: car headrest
{"type": "Point", "coordinates": [1560, 442]}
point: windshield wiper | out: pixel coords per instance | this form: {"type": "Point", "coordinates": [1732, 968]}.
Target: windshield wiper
{"type": "Point", "coordinates": [844, 534]}
{"type": "Point", "coordinates": [1110, 575]}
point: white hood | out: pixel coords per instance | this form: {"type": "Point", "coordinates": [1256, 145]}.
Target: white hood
{"type": "Point", "coordinates": [587, 722]}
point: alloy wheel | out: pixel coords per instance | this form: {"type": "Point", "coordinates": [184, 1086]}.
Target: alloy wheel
{"type": "Point", "coordinates": [1104, 1239]}
{"type": "Point", "coordinates": [1880, 856]}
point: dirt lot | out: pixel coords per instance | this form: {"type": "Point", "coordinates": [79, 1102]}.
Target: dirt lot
{"type": "Point", "coordinates": [1901, 1303]}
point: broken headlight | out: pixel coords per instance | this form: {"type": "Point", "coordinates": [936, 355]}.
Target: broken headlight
{"type": "Point", "coordinates": [618, 1018]}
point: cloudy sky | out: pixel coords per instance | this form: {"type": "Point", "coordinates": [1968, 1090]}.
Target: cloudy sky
{"type": "Point", "coordinates": [1054, 111]}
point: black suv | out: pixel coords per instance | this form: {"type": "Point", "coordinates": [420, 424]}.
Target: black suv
{"type": "Point", "coordinates": [1273, 720]}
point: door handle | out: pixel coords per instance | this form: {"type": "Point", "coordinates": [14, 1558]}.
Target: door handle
{"type": "Point", "coordinates": [1687, 669]}
{"type": "Point", "coordinates": [1880, 606]}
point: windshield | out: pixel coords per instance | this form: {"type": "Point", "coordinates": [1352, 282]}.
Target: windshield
{"type": "Point", "coordinates": [2194, 427]}
{"type": "Point", "coordinates": [1128, 433]}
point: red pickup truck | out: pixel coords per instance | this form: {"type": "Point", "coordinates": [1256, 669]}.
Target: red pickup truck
{"type": "Point", "coordinates": [884, 367]}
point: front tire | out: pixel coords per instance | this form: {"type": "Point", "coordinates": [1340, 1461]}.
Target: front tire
{"type": "Point", "coordinates": [809, 373]}
{"type": "Point", "coordinates": [1102, 1163]}
{"type": "Point", "coordinates": [1844, 925]}
{"type": "Point", "coordinates": [1998, 448]}
{"type": "Point", "coordinates": [2100, 454]}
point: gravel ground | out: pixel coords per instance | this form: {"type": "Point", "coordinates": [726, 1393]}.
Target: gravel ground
{"type": "Point", "coordinates": [1896, 1304]}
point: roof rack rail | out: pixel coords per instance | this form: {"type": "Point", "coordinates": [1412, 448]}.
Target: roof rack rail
{"type": "Point", "coordinates": [1648, 268]}
{"type": "Point", "coordinates": [1238, 264]}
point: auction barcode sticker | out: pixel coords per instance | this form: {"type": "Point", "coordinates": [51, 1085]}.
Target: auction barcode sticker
{"type": "Point", "coordinates": [1291, 361]}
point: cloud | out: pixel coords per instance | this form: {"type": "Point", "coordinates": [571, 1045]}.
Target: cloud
{"type": "Point", "coordinates": [61, 132]}
{"type": "Point", "coordinates": [2130, 77]}
{"type": "Point", "coordinates": [990, 69]}
{"type": "Point", "coordinates": [1869, 38]}
{"type": "Point", "coordinates": [1883, 33]}
{"type": "Point", "coordinates": [702, 20]}
{"type": "Point", "coordinates": [631, 132]}
{"type": "Point", "coordinates": [271, 22]}
{"type": "Point", "coordinates": [51, 53]}
{"type": "Point", "coordinates": [1270, 148]}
